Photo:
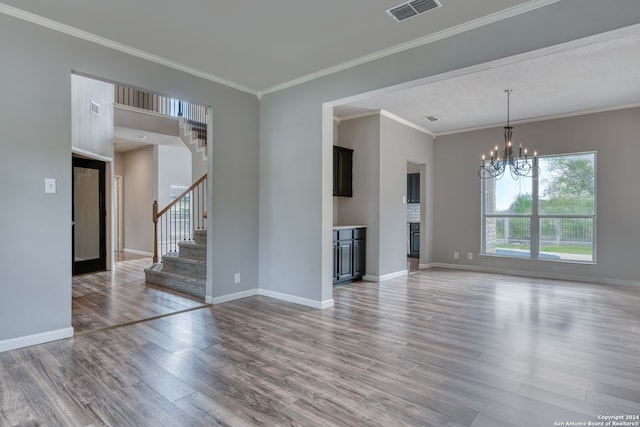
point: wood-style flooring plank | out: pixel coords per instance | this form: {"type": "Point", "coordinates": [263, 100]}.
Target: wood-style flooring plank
{"type": "Point", "coordinates": [435, 348]}
{"type": "Point", "coordinates": [111, 298]}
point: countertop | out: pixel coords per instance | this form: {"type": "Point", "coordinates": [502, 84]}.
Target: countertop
{"type": "Point", "coordinates": [345, 227]}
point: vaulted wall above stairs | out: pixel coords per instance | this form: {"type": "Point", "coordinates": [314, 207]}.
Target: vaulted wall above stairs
{"type": "Point", "coordinates": [193, 139]}
{"type": "Point", "coordinates": [185, 270]}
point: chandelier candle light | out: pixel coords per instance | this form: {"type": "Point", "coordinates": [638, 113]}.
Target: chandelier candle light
{"type": "Point", "coordinates": [519, 165]}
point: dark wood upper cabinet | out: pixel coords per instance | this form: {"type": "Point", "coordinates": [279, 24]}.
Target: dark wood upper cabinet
{"type": "Point", "coordinates": [342, 171]}
{"type": "Point", "coordinates": [413, 188]}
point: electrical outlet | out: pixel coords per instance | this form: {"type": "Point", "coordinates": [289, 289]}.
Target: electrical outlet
{"type": "Point", "coordinates": [456, 255]}
{"type": "Point", "coordinates": [237, 278]}
{"type": "Point", "coordinates": [469, 255]}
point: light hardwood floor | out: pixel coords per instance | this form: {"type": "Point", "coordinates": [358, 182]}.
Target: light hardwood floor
{"type": "Point", "coordinates": [114, 298]}
{"type": "Point", "coordinates": [436, 348]}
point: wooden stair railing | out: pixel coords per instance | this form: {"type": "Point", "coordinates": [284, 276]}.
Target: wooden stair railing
{"type": "Point", "coordinates": [177, 221]}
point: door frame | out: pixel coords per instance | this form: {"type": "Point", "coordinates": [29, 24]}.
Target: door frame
{"type": "Point", "coordinates": [100, 263]}
{"type": "Point", "coordinates": [118, 213]}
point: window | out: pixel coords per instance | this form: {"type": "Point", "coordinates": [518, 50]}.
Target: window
{"type": "Point", "coordinates": [552, 217]}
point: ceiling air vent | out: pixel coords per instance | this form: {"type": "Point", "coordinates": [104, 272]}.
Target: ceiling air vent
{"type": "Point", "coordinates": [422, 6]}
{"type": "Point", "coordinates": [406, 10]}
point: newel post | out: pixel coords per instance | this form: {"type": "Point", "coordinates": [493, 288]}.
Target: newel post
{"type": "Point", "coordinates": [155, 231]}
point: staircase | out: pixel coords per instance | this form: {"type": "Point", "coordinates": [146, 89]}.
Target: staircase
{"type": "Point", "coordinates": [192, 118]}
{"type": "Point", "coordinates": [192, 133]}
{"type": "Point", "coordinates": [185, 270]}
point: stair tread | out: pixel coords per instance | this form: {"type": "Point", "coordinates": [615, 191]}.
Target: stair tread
{"type": "Point", "coordinates": [157, 269]}
{"type": "Point", "coordinates": [177, 282]}
{"type": "Point", "coordinates": [192, 243]}
{"type": "Point", "coordinates": [177, 258]}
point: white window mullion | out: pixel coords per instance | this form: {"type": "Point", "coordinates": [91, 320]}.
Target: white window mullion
{"type": "Point", "coordinates": [535, 216]}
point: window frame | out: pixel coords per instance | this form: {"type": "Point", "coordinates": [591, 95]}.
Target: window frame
{"type": "Point", "coordinates": [535, 217]}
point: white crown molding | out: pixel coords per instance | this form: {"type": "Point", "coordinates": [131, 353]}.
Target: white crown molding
{"type": "Point", "coordinates": [388, 115]}
{"type": "Point", "coordinates": [84, 35]}
{"type": "Point", "coordinates": [360, 115]}
{"type": "Point", "coordinates": [542, 119]}
{"type": "Point", "coordinates": [431, 38]}
{"type": "Point", "coordinates": [400, 120]}
{"type": "Point", "coordinates": [81, 34]}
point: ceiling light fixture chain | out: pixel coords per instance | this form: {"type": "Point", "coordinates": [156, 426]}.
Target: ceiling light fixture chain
{"type": "Point", "coordinates": [497, 163]}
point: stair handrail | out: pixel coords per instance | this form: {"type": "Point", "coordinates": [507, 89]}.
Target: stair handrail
{"type": "Point", "coordinates": [185, 232]}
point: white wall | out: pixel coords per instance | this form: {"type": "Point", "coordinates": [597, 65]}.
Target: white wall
{"type": "Point", "coordinates": [613, 135]}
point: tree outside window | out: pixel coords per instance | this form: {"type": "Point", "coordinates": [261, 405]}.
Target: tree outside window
{"type": "Point", "coordinates": [551, 217]}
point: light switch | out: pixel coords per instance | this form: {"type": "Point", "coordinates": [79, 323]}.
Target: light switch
{"type": "Point", "coordinates": [49, 185]}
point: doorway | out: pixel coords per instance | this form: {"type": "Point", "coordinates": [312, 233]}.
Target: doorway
{"type": "Point", "coordinates": [89, 252]}
{"type": "Point", "coordinates": [118, 211]}
{"type": "Point", "coordinates": [414, 200]}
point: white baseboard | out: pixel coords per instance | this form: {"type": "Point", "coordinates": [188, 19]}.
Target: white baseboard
{"type": "Point", "coordinates": [231, 297]}
{"type": "Point", "coordinates": [277, 295]}
{"type": "Point", "coordinates": [540, 275]}
{"type": "Point", "coordinates": [41, 338]}
{"type": "Point", "coordinates": [321, 305]}
{"type": "Point", "coordinates": [371, 278]}
{"type": "Point", "coordinates": [137, 252]}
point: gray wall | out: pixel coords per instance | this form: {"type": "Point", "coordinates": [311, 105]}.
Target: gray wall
{"type": "Point", "coordinates": [140, 190]}
{"type": "Point", "coordinates": [398, 145]}
{"type": "Point", "coordinates": [296, 212]}
{"type": "Point", "coordinates": [118, 164]}
{"type": "Point", "coordinates": [363, 136]}
{"type": "Point", "coordinates": [91, 133]}
{"type": "Point", "coordinates": [36, 76]}
{"type": "Point", "coordinates": [198, 165]}
{"type": "Point", "coordinates": [174, 168]}
{"type": "Point", "coordinates": [382, 147]}
{"type": "Point", "coordinates": [613, 135]}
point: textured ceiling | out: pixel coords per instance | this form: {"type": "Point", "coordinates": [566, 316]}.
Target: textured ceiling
{"type": "Point", "coordinates": [596, 73]}
{"type": "Point", "coordinates": [264, 46]}
{"type": "Point", "coordinates": [258, 45]}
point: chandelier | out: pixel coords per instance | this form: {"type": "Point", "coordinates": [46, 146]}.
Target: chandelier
{"type": "Point", "coordinates": [499, 161]}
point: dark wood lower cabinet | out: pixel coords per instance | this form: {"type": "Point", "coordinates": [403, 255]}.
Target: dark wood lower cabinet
{"type": "Point", "coordinates": [349, 254]}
